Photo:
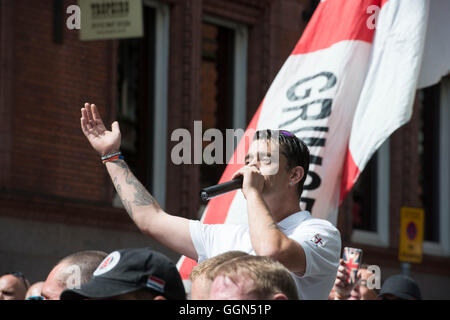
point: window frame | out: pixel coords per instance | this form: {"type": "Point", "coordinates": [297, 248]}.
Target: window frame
{"type": "Point", "coordinates": [239, 68]}
{"type": "Point", "coordinates": [380, 238]}
{"type": "Point", "coordinates": [158, 136]}
{"type": "Point", "coordinates": [241, 40]}
{"type": "Point", "coordinates": [160, 103]}
{"type": "Point", "coordinates": [442, 248]}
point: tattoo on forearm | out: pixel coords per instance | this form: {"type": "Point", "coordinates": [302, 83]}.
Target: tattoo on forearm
{"type": "Point", "coordinates": [141, 196]}
{"type": "Point", "coordinates": [125, 202]}
{"type": "Point", "coordinates": [127, 206]}
{"type": "Point", "coordinates": [121, 164]}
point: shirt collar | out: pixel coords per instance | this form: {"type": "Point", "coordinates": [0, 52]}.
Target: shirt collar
{"type": "Point", "coordinates": [294, 219]}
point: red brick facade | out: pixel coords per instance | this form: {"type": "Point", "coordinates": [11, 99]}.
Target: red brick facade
{"type": "Point", "coordinates": [48, 165]}
{"type": "Point", "coordinates": [46, 160]}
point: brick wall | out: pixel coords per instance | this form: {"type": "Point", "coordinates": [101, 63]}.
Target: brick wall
{"type": "Point", "coordinates": [6, 87]}
{"type": "Point", "coordinates": [51, 81]}
{"type": "Point", "coordinates": [50, 165]}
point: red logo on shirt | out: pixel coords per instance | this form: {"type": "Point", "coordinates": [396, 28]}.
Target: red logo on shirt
{"type": "Point", "coordinates": [318, 241]}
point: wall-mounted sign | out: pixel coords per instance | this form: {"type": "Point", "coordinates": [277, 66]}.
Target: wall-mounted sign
{"type": "Point", "coordinates": [411, 235]}
{"type": "Point", "coordinates": [111, 19]}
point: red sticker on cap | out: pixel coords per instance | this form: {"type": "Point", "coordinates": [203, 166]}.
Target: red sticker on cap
{"type": "Point", "coordinates": [108, 263]}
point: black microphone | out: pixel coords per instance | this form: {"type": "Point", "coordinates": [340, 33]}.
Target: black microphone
{"type": "Point", "coordinates": [219, 189]}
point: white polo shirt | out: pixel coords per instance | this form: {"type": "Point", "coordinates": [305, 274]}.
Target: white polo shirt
{"type": "Point", "coordinates": [320, 240]}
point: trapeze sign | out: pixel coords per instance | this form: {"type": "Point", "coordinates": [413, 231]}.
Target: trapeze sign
{"type": "Point", "coordinates": [111, 19]}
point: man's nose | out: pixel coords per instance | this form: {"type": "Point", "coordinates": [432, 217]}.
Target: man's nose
{"type": "Point", "coordinates": [253, 163]}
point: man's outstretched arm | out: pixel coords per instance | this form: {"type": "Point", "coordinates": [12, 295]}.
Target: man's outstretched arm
{"type": "Point", "coordinates": [141, 206]}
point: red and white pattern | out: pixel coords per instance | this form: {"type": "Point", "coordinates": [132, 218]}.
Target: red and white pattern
{"type": "Point", "coordinates": [344, 89]}
{"type": "Point", "coordinates": [108, 263]}
{"type": "Point", "coordinates": [352, 258]}
{"type": "Point", "coordinates": [318, 241]}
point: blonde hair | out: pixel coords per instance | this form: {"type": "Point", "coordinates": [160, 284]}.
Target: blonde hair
{"type": "Point", "coordinates": [268, 276]}
{"type": "Point", "coordinates": [207, 267]}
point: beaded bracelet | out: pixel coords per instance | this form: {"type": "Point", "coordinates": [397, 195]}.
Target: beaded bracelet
{"type": "Point", "coordinates": [112, 157]}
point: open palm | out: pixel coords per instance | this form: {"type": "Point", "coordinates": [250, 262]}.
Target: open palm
{"type": "Point", "coordinates": [103, 141]}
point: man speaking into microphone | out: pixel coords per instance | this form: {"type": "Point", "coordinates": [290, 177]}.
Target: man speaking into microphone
{"type": "Point", "coordinates": [277, 227]}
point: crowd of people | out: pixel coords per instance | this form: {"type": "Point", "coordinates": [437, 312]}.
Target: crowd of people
{"type": "Point", "coordinates": [145, 274]}
{"type": "Point", "coordinates": [282, 253]}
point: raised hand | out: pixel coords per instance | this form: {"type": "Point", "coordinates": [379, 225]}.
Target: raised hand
{"type": "Point", "coordinates": [342, 287]}
{"type": "Point", "coordinates": [253, 179]}
{"type": "Point", "coordinates": [103, 141]}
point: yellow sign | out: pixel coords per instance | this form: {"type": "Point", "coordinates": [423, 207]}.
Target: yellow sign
{"type": "Point", "coordinates": [411, 234]}
{"type": "Point", "coordinates": [111, 19]}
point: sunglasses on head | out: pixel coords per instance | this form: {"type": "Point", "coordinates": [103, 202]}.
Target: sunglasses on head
{"type": "Point", "coordinates": [286, 133]}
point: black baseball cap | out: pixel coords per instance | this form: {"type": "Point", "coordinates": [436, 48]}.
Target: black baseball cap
{"type": "Point", "coordinates": [128, 270]}
{"type": "Point", "coordinates": [401, 286]}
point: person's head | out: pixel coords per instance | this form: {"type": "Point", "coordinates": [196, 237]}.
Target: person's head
{"type": "Point", "coordinates": [400, 287]}
{"type": "Point", "coordinates": [253, 278]}
{"type": "Point", "coordinates": [71, 271]}
{"type": "Point", "coordinates": [35, 290]}
{"type": "Point", "coordinates": [13, 286]}
{"type": "Point", "coordinates": [361, 291]}
{"type": "Point", "coordinates": [137, 274]}
{"type": "Point", "coordinates": [290, 171]}
{"type": "Point", "coordinates": [202, 275]}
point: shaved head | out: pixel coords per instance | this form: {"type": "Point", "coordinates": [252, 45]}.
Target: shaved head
{"type": "Point", "coordinates": [70, 272]}
{"type": "Point", "coordinates": [12, 288]}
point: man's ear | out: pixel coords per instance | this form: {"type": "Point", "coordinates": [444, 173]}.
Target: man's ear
{"type": "Point", "coordinates": [159, 298]}
{"type": "Point", "coordinates": [279, 296]}
{"type": "Point", "coordinates": [297, 174]}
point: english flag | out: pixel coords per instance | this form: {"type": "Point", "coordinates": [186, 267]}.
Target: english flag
{"type": "Point", "coordinates": [349, 83]}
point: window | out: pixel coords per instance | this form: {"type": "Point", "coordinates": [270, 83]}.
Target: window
{"type": "Point", "coordinates": [130, 102]}
{"type": "Point", "coordinates": [223, 84]}
{"type": "Point", "coordinates": [364, 208]}
{"type": "Point", "coordinates": [370, 211]}
{"type": "Point", "coordinates": [428, 150]}
{"type": "Point", "coordinates": [142, 101]}
{"type": "Point", "coordinates": [434, 178]}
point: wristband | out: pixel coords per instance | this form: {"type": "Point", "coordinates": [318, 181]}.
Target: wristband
{"type": "Point", "coordinates": [111, 155]}
{"type": "Point", "coordinates": [113, 159]}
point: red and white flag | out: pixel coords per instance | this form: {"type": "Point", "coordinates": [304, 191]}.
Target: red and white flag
{"type": "Point", "coordinates": [348, 84]}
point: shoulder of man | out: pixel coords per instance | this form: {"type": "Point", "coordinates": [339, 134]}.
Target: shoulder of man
{"type": "Point", "coordinates": [320, 227]}
{"type": "Point", "coordinates": [319, 221]}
